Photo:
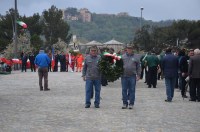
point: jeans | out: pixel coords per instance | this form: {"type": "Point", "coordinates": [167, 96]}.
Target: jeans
{"type": "Point", "coordinates": [128, 89]}
{"type": "Point", "coordinates": [170, 83]}
{"type": "Point", "coordinates": [88, 91]}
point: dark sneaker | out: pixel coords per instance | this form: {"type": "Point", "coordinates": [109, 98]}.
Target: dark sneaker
{"type": "Point", "coordinates": [130, 107]}
{"type": "Point", "coordinates": [184, 96]}
{"type": "Point", "coordinates": [96, 106]}
{"type": "Point", "coordinates": [87, 106]}
{"type": "Point", "coordinates": [168, 100]}
{"type": "Point", "coordinates": [193, 100]}
{"type": "Point", "coordinates": [124, 106]}
{"type": "Point", "coordinates": [41, 89]}
{"type": "Point", "coordinates": [46, 89]}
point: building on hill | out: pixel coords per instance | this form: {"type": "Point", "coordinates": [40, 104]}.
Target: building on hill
{"type": "Point", "coordinates": [123, 14]}
{"type": "Point", "coordinates": [85, 15]}
{"type": "Point", "coordinates": [74, 15]}
{"type": "Point", "coordinates": [67, 15]}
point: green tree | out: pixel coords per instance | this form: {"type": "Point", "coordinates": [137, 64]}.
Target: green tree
{"type": "Point", "coordinates": [7, 29]}
{"type": "Point", "coordinates": [54, 26]}
{"type": "Point", "coordinates": [33, 23]}
{"type": "Point", "coordinates": [143, 39]}
{"type": "Point", "coordinates": [72, 11]}
{"type": "Point", "coordinates": [36, 42]}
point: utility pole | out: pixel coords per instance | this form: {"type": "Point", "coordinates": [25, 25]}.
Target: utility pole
{"type": "Point", "coordinates": [141, 18]}
{"type": "Point", "coordinates": [15, 34]}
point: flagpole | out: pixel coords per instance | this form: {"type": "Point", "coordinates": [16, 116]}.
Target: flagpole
{"type": "Point", "coordinates": [15, 34]}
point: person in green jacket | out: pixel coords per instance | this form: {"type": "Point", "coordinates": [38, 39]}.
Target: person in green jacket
{"type": "Point", "coordinates": [152, 62]}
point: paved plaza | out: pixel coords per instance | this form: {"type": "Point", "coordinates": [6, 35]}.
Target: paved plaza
{"type": "Point", "coordinates": [24, 108]}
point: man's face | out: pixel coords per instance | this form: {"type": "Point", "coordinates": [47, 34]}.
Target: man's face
{"type": "Point", "coordinates": [129, 50]}
{"type": "Point", "coordinates": [93, 52]}
{"type": "Point", "coordinates": [191, 53]}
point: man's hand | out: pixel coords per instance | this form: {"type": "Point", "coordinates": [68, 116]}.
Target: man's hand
{"type": "Point", "coordinates": [84, 78]}
{"type": "Point", "coordinates": [184, 74]}
{"type": "Point", "coordinates": [137, 78]}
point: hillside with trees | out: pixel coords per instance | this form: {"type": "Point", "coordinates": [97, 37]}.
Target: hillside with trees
{"type": "Point", "coordinates": [105, 27]}
{"type": "Point", "coordinates": [49, 29]}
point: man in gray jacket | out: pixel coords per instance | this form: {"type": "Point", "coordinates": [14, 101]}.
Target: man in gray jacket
{"type": "Point", "coordinates": [194, 74]}
{"type": "Point", "coordinates": [132, 70]}
{"type": "Point", "coordinates": [91, 74]}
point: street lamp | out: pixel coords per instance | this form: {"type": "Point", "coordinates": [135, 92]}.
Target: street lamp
{"type": "Point", "coordinates": [15, 35]}
{"type": "Point", "coordinates": [141, 8]}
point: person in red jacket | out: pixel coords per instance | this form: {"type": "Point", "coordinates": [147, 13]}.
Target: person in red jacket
{"type": "Point", "coordinates": [79, 65]}
{"type": "Point", "coordinates": [73, 60]}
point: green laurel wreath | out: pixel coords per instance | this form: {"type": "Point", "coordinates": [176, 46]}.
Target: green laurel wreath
{"type": "Point", "coordinates": [111, 68]}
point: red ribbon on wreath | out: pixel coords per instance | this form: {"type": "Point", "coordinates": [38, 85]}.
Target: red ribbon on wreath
{"type": "Point", "coordinates": [114, 56]}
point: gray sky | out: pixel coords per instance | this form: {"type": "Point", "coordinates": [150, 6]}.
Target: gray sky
{"type": "Point", "coordinates": [155, 10]}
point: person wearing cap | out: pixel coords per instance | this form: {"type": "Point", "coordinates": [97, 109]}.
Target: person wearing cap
{"type": "Point", "coordinates": [91, 74]}
{"type": "Point", "coordinates": [42, 60]}
{"type": "Point", "coordinates": [131, 73]}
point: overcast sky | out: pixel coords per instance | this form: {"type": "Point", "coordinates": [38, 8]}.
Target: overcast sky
{"type": "Point", "coordinates": [155, 10]}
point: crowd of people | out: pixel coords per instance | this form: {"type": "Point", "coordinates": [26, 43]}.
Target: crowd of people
{"type": "Point", "coordinates": [179, 69]}
{"type": "Point", "coordinates": [62, 59]}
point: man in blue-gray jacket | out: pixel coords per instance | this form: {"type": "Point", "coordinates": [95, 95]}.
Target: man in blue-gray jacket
{"type": "Point", "coordinates": [42, 61]}
{"type": "Point", "coordinates": [170, 70]}
{"type": "Point", "coordinates": [131, 74]}
{"type": "Point", "coordinates": [91, 74]}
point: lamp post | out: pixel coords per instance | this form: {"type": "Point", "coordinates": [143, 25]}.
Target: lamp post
{"type": "Point", "coordinates": [15, 34]}
{"type": "Point", "coordinates": [141, 8]}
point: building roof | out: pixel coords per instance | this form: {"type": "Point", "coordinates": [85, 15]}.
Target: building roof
{"type": "Point", "coordinates": [72, 44]}
{"type": "Point", "coordinates": [113, 42]}
{"type": "Point", "coordinates": [94, 43]}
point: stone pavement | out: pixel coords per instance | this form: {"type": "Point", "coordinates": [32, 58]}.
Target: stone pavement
{"type": "Point", "coordinates": [23, 108]}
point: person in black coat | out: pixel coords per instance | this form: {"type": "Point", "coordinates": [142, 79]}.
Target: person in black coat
{"type": "Point", "coordinates": [24, 61]}
{"type": "Point", "coordinates": [62, 62]}
{"type": "Point", "coordinates": [55, 69]}
{"type": "Point", "coordinates": [183, 67]}
{"type": "Point", "coordinates": [32, 64]}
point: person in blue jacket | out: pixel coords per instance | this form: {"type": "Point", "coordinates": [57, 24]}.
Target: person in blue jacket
{"type": "Point", "coordinates": [170, 71]}
{"type": "Point", "coordinates": [42, 61]}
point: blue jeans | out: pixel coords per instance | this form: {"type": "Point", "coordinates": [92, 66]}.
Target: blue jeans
{"type": "Point", "coordinates": [170, 83]}
{"type": "Point", "coordinates": [88, 91]}
{"type": "Point", "coordinates": [128, 89]}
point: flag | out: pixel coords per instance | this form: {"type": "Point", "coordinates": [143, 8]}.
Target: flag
{"type": "Point", "coordinates": [22, 24]}
{"type": "Point", "coordinates": [52, 53]}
